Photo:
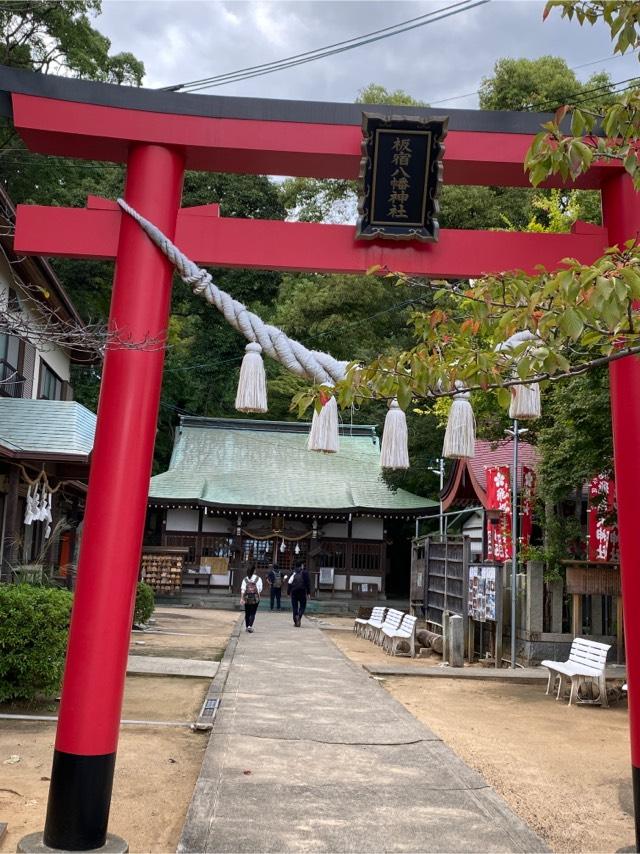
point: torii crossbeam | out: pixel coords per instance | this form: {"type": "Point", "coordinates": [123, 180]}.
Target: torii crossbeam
{"type": "Point", "coordinates": [158, 135]}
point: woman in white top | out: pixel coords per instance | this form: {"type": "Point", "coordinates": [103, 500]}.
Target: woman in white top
{"type": "Point", "coordinates": [250, 591]}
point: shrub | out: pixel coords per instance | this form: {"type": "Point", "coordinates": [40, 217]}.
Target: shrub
{"type": "Point", "coordinates": [145, 603]}
{"type": "Point", "coordinates": [34, 625]}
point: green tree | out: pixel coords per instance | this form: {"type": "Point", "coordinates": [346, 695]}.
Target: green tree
{"type": "Point", "coordinates": [374, 93]}
{"type": "Point", "coordinates": [55, 36]}
{"type": "Point", "coordinates": [334, 199]}
{"type": "Point", "coordinates": [537, 84]}
{"type": "Point", "coordinates": [204, 353]}
{"type": "Point", "coordinates": [609, 131]}
{"type": "Point", "coordinates": [58, 36]}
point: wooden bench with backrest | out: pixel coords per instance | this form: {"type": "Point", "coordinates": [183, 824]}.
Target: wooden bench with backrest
{"type": "Point", "coordinates": [376, 620]}
{"type": "Point", "coordinates": [587, 661]}
{"type": "Point", "coordinates": [406, 631]}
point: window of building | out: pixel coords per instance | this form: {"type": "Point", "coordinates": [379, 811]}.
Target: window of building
{"type": "Point", "coordinates": [9, 348]}
{"type": "Point", "coordinates": [50, 384]}
{"type": "Point", "coordinates": [11, 382]}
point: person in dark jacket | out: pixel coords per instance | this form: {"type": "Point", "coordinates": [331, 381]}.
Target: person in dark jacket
{"type": "Point", "coordinates": [299, 589]}
{"type": "Point", "coordinates": [275, 579]}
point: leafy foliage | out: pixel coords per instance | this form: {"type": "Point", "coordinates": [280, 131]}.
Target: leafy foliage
{"type": "Point", "coordinates": [609, 133]}
{"type": "Point", "coordinates": [579, 316]}
{"type": "Point", "coordinates": [574, 436]}
{"type": "Point", "coordinates": [534, 84]}
{"type": "Point", "coordinates": [145, 604]}
{"type": "Point", "coordinates": [621, 16]}
{"type": "Point", "coordinates": [55, 36]}
{"type": "Point", "coordinates": [34, 623]}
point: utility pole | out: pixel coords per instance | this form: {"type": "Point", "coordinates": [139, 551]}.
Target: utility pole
{"type": "Point", "coordinates": [515, 433]}
{"type": "Point", "coordinates": [440, 471]}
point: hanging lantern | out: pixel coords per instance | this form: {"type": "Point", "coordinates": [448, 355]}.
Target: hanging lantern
{"type": "Point", "coordinates": [297, 549]}
{"type": "Point", "coordinates": [283, 547]}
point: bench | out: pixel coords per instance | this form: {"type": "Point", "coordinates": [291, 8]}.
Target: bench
{"type": "Point", "coordinates": [587, 661]}
{"type": "Point", "coordinates": [376, 620]}
{"type": "Point", "coordinates": [406, 631]}
{"type": "Point", "coordinates": [391, 623]}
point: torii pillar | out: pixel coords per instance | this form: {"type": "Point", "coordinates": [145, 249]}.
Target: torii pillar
{"type": "Point", "coordinates": [621, 214]}
{"type": "Point", "coordinates": [157, 135]}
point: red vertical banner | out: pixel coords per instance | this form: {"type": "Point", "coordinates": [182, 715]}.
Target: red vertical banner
{"type": "Point", "coordinates": [499, 498]}
{"type": "Point", "coordinates": [499, 488]}
{"type": "Point", "coordinates": [603, 530]}
{"type": "Point", "coordinates": [528, 494]}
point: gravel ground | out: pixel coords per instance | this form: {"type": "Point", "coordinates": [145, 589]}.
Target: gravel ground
{"type": "Point", "coordinates": [565, 771]}
{"type": "Point", "coordinates": [157, 766]}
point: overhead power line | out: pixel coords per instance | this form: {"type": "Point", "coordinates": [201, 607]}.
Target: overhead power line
{"type": "Point", "coordinates": [572, 68]}
{"type": "Point", "coordinates": [587, 95]}
{"type": "Point", "coordinates": [329, 50]}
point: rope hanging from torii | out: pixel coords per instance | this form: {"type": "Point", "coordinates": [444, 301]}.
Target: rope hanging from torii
{"type": "Point", "coordinates": [313, 365]}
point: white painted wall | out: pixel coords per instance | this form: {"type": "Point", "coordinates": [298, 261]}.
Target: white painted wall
{"type": "Point", "coordinates": [182, 520]}
{"type": "Point", "coordinates": [472, 528]}
{"type": "Point", "coordinates": [367, 529]}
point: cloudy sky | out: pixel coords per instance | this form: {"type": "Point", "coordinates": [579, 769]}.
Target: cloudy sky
{"type": "Point", "coordinates": [185, 40]}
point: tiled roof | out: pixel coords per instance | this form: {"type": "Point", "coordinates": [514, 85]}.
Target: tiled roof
{"type": "Point", "coordinates": [49, 427]}
{"type": "Point", "coordinates": [265, 464]}
{"type": "Point", "coordinates": [467, 481]}
{"type": "Point", "coordinates": [488, 454]}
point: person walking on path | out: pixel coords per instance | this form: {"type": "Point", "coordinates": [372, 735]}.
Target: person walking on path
{"type": "Point", "coordinates": [299, 589]}
{"type": "Point", "coordinates": [250, 591]}
{"type": "Point", "coordinates": [275, 579]}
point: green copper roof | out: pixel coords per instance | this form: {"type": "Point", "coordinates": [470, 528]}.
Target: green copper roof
{"type": "Point", "coordinates": [265, 464]}
{"type": "Point", "coordinates": [50, 427]}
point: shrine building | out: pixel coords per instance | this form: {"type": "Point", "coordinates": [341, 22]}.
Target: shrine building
{"type": "Point", "coordinates": [472, 484]}
{"type": "Point", "coordinates": [240, 491]}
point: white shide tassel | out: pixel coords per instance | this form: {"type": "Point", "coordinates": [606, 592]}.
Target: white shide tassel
{"type": "Point", "coordinates": [460, 435]}
{"type": "Point", "coordinates": [28, 513]}
{"type": "Point", "coordinates": [394, 450]}
{"type": "Point", "coordinates": [323, 435]}
{"type": "Point", "coordinates": [252, 385]}
{"type": "Point", "coordinates": [525, 401]}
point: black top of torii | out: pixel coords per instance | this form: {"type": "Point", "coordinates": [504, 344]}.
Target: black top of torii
{"type": "Point", "coordinates": [231, 107]}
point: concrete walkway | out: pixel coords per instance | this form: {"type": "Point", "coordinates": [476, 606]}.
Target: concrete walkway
{"type": "Point", "coordinates": [308, 753]}
{"type": "Point", "coordinates": [164, 666]}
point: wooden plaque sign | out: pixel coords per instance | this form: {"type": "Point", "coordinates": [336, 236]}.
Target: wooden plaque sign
{"type": "Point", "coordinates": [400, 173]}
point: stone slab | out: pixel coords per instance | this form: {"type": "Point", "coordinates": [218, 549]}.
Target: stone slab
{"type": "Point", "coordinates": [520, 674]}
{"type": "Point", "coordinates": [33, 843]}
{"type": "Point", "coordinates": [161, 666]}
{"type": "Point", "coordinates": [310, 754]}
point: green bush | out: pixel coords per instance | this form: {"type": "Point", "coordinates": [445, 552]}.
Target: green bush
{"type": "Point", "coordinates": [34, 625]}
{"type": "Point", "coordinates": [145, 603]}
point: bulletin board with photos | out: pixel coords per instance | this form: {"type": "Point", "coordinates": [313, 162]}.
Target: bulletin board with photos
{"type": "Point", "coordinates": [484, 606]}
{"type": "Point", "coordinates": [481, 599]}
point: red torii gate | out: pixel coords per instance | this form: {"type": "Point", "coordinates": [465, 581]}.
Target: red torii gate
{"type": "Point", "coordinates": [159, 135]}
